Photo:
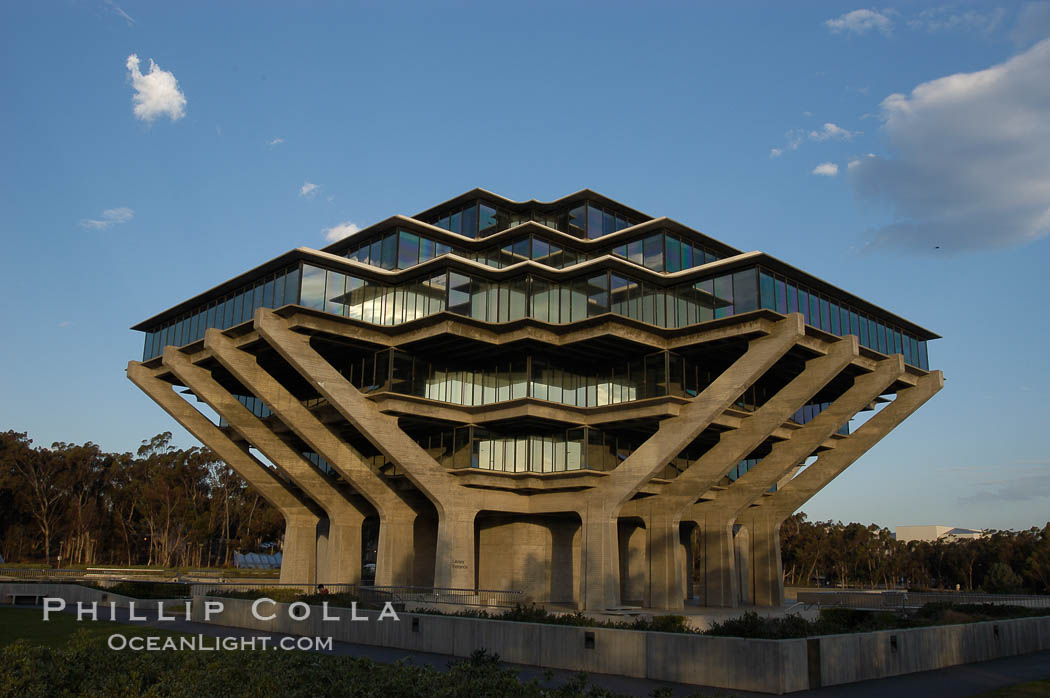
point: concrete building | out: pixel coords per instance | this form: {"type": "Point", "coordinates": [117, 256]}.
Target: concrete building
{"type": "Point", "coordinates": [564, 398]}
{"type": "Point", "coordinates": [906, 534]}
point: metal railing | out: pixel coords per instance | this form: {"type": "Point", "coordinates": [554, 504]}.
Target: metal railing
{"type": "Point", "coordinates": [499, 598]}
{"type": "Point", "coordinates": [209, 588]}
{"type": "Point", "coordinates": [37, 573]}
{"type": "Point", "coordinates": [902, 600]}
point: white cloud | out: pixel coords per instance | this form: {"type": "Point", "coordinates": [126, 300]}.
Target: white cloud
{"type": "Point", "coordinates": [309, 189]}
{"type": "Point", "coordinates": [110, 217]}
{"type": "Point", "coordinates": [826, 169]}
{"type": "Point", "coordinates": [860, 22]}
{"type": "Point", "coordinates": [794, 137]}
{"type": "Point", "coordinates": [970, 165]}
{"type": "Point", "coordinates": [275, 141]}
{"type": "Point", "coordinates": [119, 12]}
{"type": "Point", "coordinates": [338, 232]}
{"type": "Point", "coordinates": [1033, 23]}
{"type": "Point", "coordinates": [156, 93]}
{"type": "Point", "coordinates": [65, 323]}
{"type": "Point", "coordinates": [945, 18]}
{"type": "Point", "coordinates": [831, 132]}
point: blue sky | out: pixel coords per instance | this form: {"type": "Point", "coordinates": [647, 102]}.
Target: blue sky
{"type": "Point", "coordinates": [900, 152]}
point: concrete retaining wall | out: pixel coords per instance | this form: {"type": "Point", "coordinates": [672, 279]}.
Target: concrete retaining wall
{"type": "Point", "coordinates": [862, 656]}
{"type": "Point", "coordinates": [72, 593]}
{"type": "Point", "coordinates": [769, 666]}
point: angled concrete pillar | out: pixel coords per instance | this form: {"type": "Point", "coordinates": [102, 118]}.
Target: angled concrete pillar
{"type": "Point", "coordinates": [344, 536]}
{"type": "Point", "coordinates": [299, 556]}
{"type": "Point", "coordinates": [720, 586]}
{"type": "Point", "coordinates": [601, 584]}
{"type": "Point", "coordinates": [674, 434]}
{"type": "Point", "coordinates": [382, 430]}
{"type": "Point", "coordinates": [767, 517]}
{"type": "Point", "coordinates": [396, 544]}
{"type": "Point", "coordinates": [787, 454]}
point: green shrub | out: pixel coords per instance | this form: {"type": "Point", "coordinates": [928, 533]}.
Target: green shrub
{"type": "Point", "coordinates": [150, 590]}
{"type": "Point", "coordinates": [90, 669]}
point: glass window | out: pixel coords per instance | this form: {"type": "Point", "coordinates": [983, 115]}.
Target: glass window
{"type": "Point", "coordinates": [426, 249]}
{"type": "Point", "coordinates": [924, 359]}
{"type": "Point", "coordinates": [834, 319]}
{"type": "Point", "coordinates": [258, 296]}
{"type": "Point", "coordinates": [335, 288]}
{"type": "Point", "coordinates": [767, 291]}
{"type": "Point", "coordinates": [792, 298]}
{"type": "Point", "coordinates": [458, 293]}
{"type": "Point", "coordinates": [246, 309]}
{"type": "Point", "coordinates": [594, 221]}
{"type": "Point", "coordinates": [375, 252]}
{"type": "Point", "coordinates": [814, 309]}
{"type": "Point", "coordinates": [578, 220]}
{"type": "Point", "coordinates": [687, 255]}
{"type": "Point", "coordinates": [388, 253]}
{"type": "Point", "coordinates": [863, 329]}
{"type": "Point", "coordinates": [278, 290]}
{"type": "Point", "coordinates": [825, 315]}
{"type": "Point", "coordinates": [803, 304]}
{"type": "Point", "coordinates": [723, 296]}
{"type": "Point", "coordinates": [455, 221]}
{"type": "Point", "coordinates": [268, 294]}
{"type": "Point", "coordinates": [745, 291]}
{"type": "Point", "coordinates": [634, 251]}
{"type": "Point", "coordinates": [673, 253]}
{"type": "Point", "coordinates": [469, 221]}
{"type": "Point", "coordinates": [652, 250]}
{"type": "Point", "coordinates": [597, 295]}
{"type": "Point", "coordinates": [291, 286]}
{"type": "Point", "coordinates": [407, 250]}
{"type": "Point", "coordinates": [313, 287]}
{"type": "Point", "coordinates": [487, 220]}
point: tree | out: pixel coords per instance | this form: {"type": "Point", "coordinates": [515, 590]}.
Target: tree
{"type": "Point", "coordinates": [1001, 580]}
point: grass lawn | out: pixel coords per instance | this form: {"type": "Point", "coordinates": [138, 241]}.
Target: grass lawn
{"type": "Point", "coordinates": [28, 624]}
{"type": "Point", "coordinates": [1032, 689]}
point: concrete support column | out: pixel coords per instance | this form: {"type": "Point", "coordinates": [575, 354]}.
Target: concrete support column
{"type": "Point", "coordinates": [719, 563]}
{"type": "Point", "coordinates": [344, 553]}
{"type": "Point", "coordinates": [455, 555]}
{"type": "Point", "coordinates": [600, 561]}
{"type": "Point", "coordinates": [394, 563]}
{"type": "Point", "coordinates": [665, 563]}
{"type": "Point", "coordinates": [299, 556]}
{"type": "Point", "coordinates": [766, 570]}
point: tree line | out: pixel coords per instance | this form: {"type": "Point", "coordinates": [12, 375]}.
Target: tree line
{"type": "Point", "coordinates": [75, 504]}
{"type": "Point", "coordinates": [839, 554]}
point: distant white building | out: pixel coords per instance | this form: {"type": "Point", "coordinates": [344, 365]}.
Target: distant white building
{"type": "Point", "coordinates": [907, 534]}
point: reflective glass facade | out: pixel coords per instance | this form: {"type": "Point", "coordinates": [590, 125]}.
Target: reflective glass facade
{"type": "Point", "coordinates": [480, 219]}
{"type": "Point", "coordinates": [665, 252]}
{"type": "Point", "coordinates": [270, 291]}
{"type": "Point", "coordinates": [539, 298]}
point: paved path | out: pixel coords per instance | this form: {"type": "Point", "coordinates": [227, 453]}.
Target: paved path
{"type": "Point", "coordinates": [952, 682]}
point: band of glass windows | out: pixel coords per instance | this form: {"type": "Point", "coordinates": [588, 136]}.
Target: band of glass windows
{"type": "Point", "coordinates": [271, 291]}
{"type": "Point", "coordinates": [402, 249]}
{"type": "Point", "coordinates": [542, 299]}
{"type": "Point", "coordinates": [479, 219]}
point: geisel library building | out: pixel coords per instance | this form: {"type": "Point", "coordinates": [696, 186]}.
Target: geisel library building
{"type": "Point", "coordinates": [570, 399]}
